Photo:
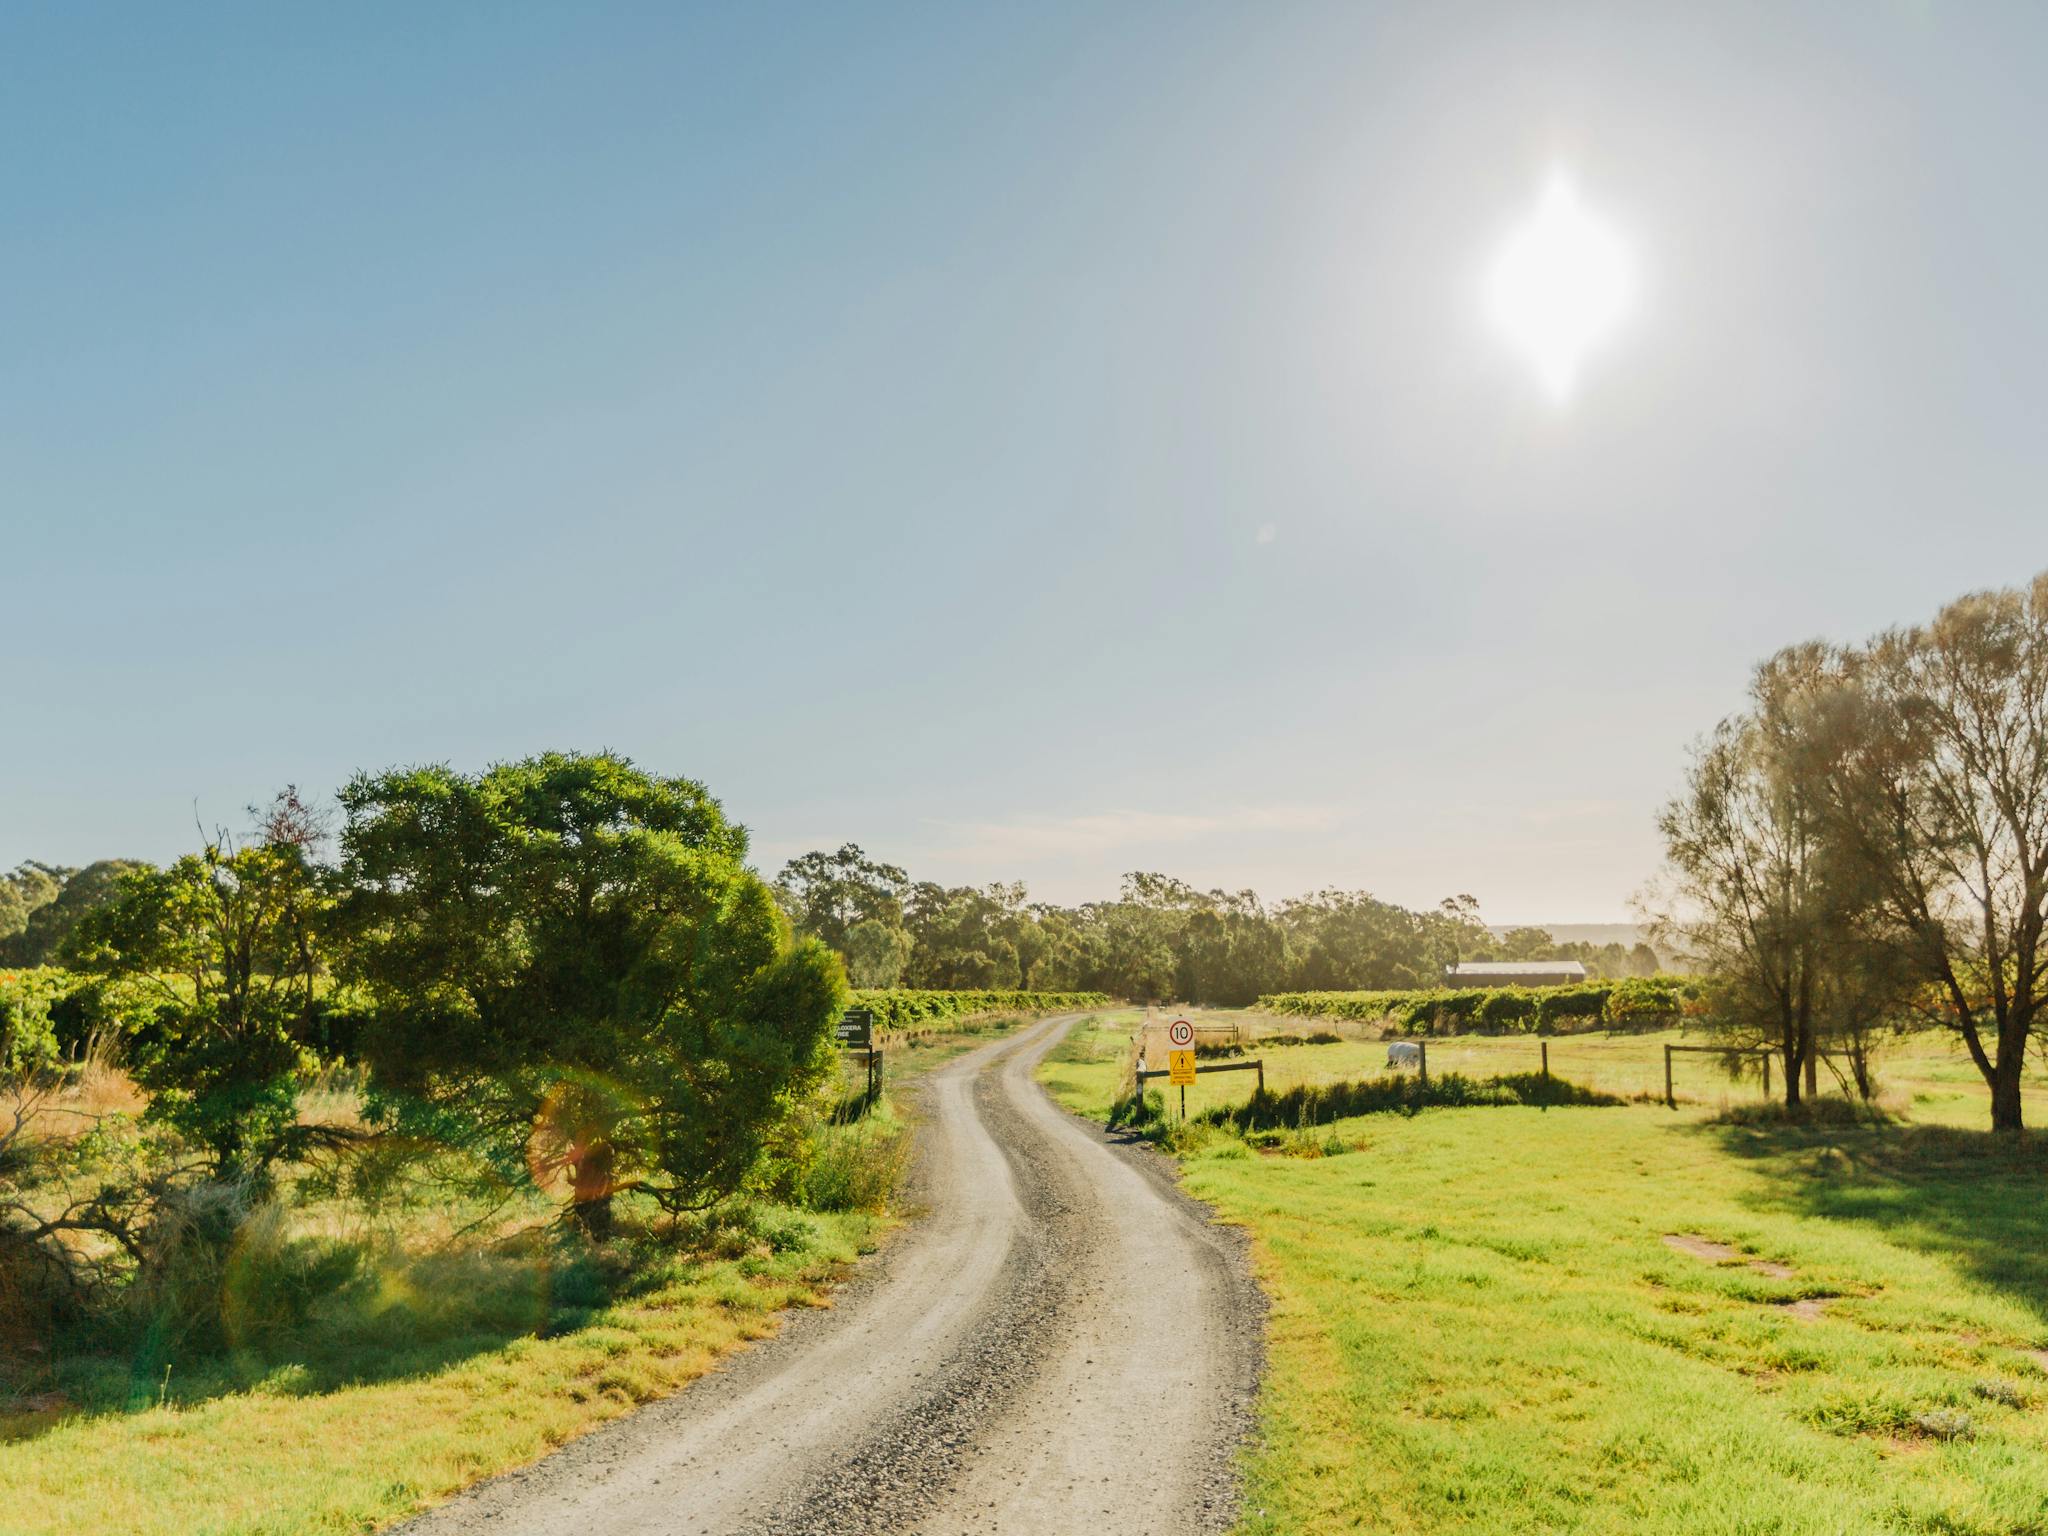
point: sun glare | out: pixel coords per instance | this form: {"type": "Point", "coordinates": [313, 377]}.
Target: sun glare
{"type": "Point", "coordinates": [1560, 285]}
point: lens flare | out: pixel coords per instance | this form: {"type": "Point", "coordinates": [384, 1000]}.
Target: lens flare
{"type": "Point", "coordinates": [1561, 285]}
{"type": "Point", "coordinates": [585, 1138]}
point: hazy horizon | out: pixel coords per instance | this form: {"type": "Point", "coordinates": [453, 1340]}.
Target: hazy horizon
{"type": "Point", "coordinates": [1030, 445]}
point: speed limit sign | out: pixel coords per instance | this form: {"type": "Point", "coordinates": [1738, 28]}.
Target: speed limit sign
{"type": "Point", "coordinates": [1180, 1055]}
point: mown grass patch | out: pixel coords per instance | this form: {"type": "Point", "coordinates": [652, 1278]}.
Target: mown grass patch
{"type": "Point", "coordinates": [1477, 1324]}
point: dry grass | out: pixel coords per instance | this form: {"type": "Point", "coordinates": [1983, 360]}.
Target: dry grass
{"type": "Point", "coordinates": [91, 1090]}
{"type": "Point", "coordinates": [461, 1340]}
{"type": "Point", "coordinates": [352, 1430]}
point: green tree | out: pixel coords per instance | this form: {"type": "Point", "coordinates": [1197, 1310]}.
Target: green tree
{"type": "Point", "coordinates": [1763, 894]}
{"type": "Point", "coordinates": [224, 940]}
{"type": "Point", "coordinates": [970, 936]}
{"type": "Point", "coordinates": [1455, 931]}
{"type": "Point", "coordinates": [1348, 939]}
{"type": "Point", "coordinates": [574, 972]}
{"type": "Point", "coordinates": [827, 895]}
{"type": "Point", "coordinates": [1527, 944]}
{"type": "Point", "coordinates": [1932, 757]}
{"type": "Point", "coordinates": [22, 890]}
{"type": "Point", "coordinates": [51, 914]}
{"type": "Point", "coordinates": [876, 953]}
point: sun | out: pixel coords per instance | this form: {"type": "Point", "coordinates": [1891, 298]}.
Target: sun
{"type": "Point", "coordinates": [1561, 285]}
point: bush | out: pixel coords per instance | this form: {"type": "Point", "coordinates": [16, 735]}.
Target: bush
{"type": "Point", "coordinates": [1822, 1111]}
{"type": "Point", "coordinates": [850, 1166]}
{"type": "Point", "coordinates": [1645, 1002]}
{"type": "Point", "coordinates": [28, 1041]}
{"type": "Point", "coordinates": [1510, 1010]}
{"type": "Point", "coordinates": [1319, 1103]}
{"type": "Point", "coordinates": [1561, 1008]}
{"type": "Point", "coordinates": [911, 1008]}
{"type": "Point", "coordinates": [1137, 1111]}
{"type": "Point", "coordinates": [219, 1269]}
{"type": "Point", "coordinates": [1640, 1002]}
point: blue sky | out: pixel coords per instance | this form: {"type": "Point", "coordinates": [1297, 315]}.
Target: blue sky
{"type": "Point", "coordinates": [1033, 442]}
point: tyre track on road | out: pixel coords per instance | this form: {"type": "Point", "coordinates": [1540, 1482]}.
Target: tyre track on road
{"type": "Point", "coordinates": [1064, 1340]}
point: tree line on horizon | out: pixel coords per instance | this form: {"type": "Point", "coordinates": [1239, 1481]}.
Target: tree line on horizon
{"type": "Point", "coordinates": [1160, 939]}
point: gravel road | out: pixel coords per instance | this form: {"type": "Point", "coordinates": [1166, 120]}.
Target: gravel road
{"type": "Point", "coordinates": [1062, 1344]}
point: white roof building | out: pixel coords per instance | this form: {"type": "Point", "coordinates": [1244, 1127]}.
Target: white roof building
{"type": "Point", "coordinates": [1514, 973]}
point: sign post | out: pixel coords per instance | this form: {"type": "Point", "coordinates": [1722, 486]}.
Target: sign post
{"type": "Point", "coordinates": [1180, 1059]}
{"type": "Point", "coordinates": [855, 1031]}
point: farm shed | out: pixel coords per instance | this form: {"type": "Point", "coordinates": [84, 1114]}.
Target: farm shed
{"type": "Point", "coordinates": [1514, 973]}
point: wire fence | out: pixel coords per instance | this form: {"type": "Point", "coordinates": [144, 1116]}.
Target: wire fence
{"type": "Point", "coordinates": [1631, 1066]}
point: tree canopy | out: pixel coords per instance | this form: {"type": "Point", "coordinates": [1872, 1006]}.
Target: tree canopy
{"type": "Point", "coordinates": [223, 941]}
{"type": "Point", "coordinates": [41, 903]}
{"type": "Point", "coordinates": [572, 968]}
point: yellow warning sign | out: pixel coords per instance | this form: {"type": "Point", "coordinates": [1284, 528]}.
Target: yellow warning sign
{"type": "Point", "coordinates": [1180, 1068]}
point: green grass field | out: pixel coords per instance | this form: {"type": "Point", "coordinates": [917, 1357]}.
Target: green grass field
{"type": "Point", "coordinates": [1478, 1324]}
{"type": "Point", "coordinates": [1923, 1077]}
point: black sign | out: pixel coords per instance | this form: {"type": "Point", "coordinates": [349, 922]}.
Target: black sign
{"type": "Point", "coordinates": [856, 1029]}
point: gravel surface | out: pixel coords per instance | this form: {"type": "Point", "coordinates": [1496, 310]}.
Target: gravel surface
{"type": "Point", "coordinates": [1063, 1343]}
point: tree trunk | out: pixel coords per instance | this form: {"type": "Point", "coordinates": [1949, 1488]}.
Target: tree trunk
{"type": "Point", "coordinates": [591, 1205]}
{"type": "Point", "coordinates": [2005, 1092]}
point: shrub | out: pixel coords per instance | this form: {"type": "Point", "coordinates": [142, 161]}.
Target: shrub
{"type": "Point", "coordinates": [1136, 1111]}
{"type": "Point", "coordinates": [28, 1042]}
{"type": "Point", "coordinates": [1501, 1010]}
{"type": "Point", "coordinates": [1507, 1010]}
{"type": "Point", "coordinates": [912, 1008]}
{"type": "Point", "coordinates": [1944, 1424]}
{"type": "Point", "coordinates": [1319, 1103]}
{"type": "Point", "coordinates": [1822, 1111]}
{"type": "Point", "coordinates": [851, 1167]}
{"type": "Point", "coordinates": [2010, 1394]}
{"type": "Point", "coordinates": [1564, 1006]}
{"type": "Point", "coordinates": [219, 1268]}
{"type": "Point", "coordinates": [1645, 1002]}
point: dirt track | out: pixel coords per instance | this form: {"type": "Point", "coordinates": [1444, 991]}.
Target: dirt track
{"type": "Point", "coordinates": [1063, 1344]}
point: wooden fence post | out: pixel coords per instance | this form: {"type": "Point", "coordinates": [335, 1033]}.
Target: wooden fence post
{"type": "Point", "coordinates": [1546, 1061]}
{"type": "Point", "coordinates": [1767, 1074]}
{"type": "Point", "coordinates": [1422, 1061]}
{"type": "Point", "coordinates": [1670, 1098]}
{"type": "Point", "coordinates": [1262, 1074]}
